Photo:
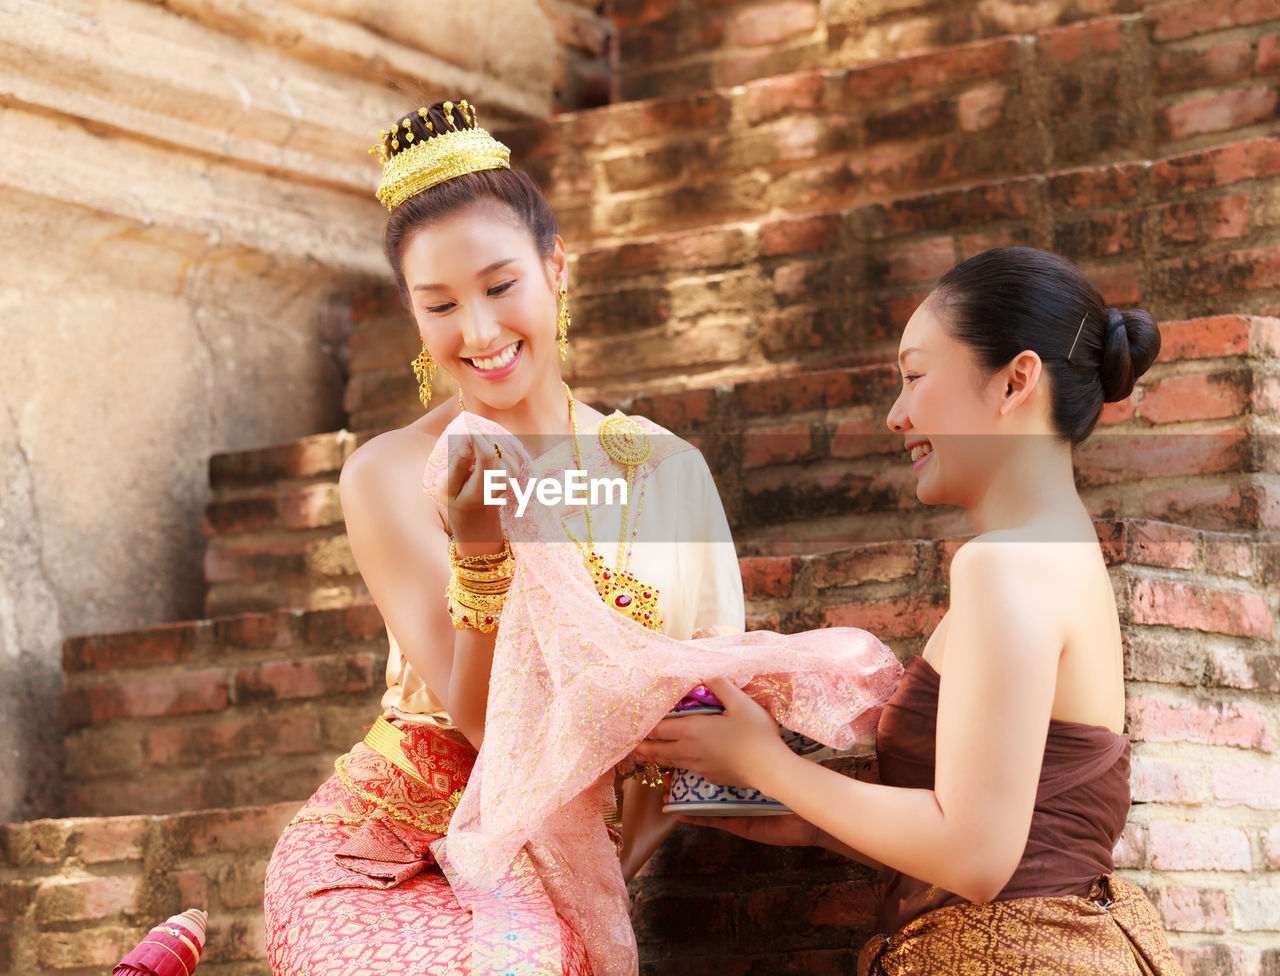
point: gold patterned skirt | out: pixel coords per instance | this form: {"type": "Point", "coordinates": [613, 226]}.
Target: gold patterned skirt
{"type": "Point", "coordinates": [1115, 931]}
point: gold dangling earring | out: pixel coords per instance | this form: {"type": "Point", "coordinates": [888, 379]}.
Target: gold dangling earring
{"type": "Point", "coordinates": [423, 368]}
{"type": "Point", "coordinates": [563, 324]}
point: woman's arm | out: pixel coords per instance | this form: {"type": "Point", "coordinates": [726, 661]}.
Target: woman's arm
{"type": "Point", "coordinates": [702, 528]}
{"type": "Point", "coordinates": [968, 833]}
{"type": "Point", "coordinates": [398, 538]}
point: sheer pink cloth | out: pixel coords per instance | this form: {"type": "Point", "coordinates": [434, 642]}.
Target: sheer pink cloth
{"type": "Point", "coordinates": [576, 685]}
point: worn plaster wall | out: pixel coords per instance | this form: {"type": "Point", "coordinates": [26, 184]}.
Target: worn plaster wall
{"type": "Point", "coordinates": [185, 207]}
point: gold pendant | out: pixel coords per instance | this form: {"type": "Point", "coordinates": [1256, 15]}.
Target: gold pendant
{"type": "Point", "coordinates": [625, 593]}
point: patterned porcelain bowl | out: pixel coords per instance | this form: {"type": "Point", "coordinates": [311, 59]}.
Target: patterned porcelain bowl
{"type": "Point", "coordinates": [691, 795]}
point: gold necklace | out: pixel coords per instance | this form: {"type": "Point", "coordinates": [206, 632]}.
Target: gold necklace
{"type": "Point", "coordinates": [625, 442]}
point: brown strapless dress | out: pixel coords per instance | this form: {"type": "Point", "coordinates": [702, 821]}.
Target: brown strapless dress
{"type": "Point", "coordinates": [1061, 912]}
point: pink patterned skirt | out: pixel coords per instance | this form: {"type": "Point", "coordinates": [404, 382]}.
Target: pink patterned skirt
{"type": "Point", "coordinates": [354, 887]}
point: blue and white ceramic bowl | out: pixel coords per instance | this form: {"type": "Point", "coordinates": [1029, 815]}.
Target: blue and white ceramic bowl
{"type": "Point", "coordinates": [692, 796]}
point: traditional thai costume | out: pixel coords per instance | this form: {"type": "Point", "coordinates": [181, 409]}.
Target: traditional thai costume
{"type": "Point", "coordinates": [1062, 912]}
{"type": "Point", "coordinates": [364, 879]}
{"type": "Point", "coordinates": [420, 855]}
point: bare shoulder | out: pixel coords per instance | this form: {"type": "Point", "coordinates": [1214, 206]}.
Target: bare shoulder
{"type": "Point", "coordinates": [1021, 558]}
{"type": "Point", "coordinates": [389, 461]}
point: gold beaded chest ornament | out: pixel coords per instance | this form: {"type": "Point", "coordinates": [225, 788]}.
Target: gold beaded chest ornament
{"type": "Point", "coordinates": [446, 154]}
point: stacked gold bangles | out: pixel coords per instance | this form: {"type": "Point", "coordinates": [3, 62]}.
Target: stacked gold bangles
{"type": "Point", "coordinates": [477, 586]}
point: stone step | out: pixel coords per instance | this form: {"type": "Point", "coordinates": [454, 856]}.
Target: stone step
{"type": "Point", "coordinates": [804, 457]}
{"type": "Point", "coordinates": [77, 894]}
{"type": "Point", "coordinates": [216, 713]}
{"type": "Point", "coordinates": [840, 135]}
{"type": "Point", "coordinates": [805, 285]}
{"type": "Point", "coordinates": [254, 708]}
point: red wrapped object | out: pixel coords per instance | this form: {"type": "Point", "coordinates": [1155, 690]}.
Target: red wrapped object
{"type": "Point", "coordinates": [172, 948]}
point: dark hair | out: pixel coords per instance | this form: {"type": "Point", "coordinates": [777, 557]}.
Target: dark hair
{"type": "Point", "coordinates": [510, 187]}
{"type": "Point", "coordinates": [1012, 299]}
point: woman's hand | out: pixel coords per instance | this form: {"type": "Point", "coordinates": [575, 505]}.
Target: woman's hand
{"type": "Point", "coordinates": [789, 830]}
{"type": "Point", "coordinates": [475, 526]}
{"type": "Point", "coordinates": [727, 749]}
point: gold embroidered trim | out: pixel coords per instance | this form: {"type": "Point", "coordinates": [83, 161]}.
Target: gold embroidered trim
{"type": "Point", "coordinates": [340, 769]}
{"type": "Point", "coordinates": [384, 739]}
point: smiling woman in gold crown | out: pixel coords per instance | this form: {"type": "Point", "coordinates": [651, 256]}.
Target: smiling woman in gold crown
{"type": "Point", "coordinates": [356, 884]}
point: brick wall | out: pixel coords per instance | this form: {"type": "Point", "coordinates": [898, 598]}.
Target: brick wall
{"type": "Point", "coordinates": [798, 219]}
{"type": "Point", "coordinates": [667, 47]}
{"type": "Point", "coordinates": [76, 895]}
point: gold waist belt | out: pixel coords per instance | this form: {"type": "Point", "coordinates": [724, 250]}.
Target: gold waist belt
{"type": "Point", "coordinates": [384, 739]}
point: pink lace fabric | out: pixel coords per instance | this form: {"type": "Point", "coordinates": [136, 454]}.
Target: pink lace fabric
{"type": "Point", "coordinates": [575, 686]}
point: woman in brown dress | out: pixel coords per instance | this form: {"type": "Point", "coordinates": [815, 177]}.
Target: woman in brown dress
{"type": "Point", "coordinates": [1004, 769]}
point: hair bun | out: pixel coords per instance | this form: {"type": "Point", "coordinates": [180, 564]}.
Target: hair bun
{"type": "Point", "coordinates": [1131, 345]}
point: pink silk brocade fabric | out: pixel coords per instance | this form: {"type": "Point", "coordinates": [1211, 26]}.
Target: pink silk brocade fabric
{"type": "Point", "coordinates": [575, 686]}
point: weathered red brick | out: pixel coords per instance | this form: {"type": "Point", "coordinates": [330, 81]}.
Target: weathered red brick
{"type": "Point", "coordinates": [254, 630]}
{"type": "Point", "coordinates": [797, 235]}
{"type": "Point", "coordinates": [107, 840]}
{"type": "Point", "coordinates": [1217, 960]}
{"type": "Point", "coordinates": [773, 23]}
{"type": "Point", "coordinates": [193, 888]}
{"type": "Point", "coordinates": [1097, 186]}
{"type": "Point", "coordinates": [1247, 784]}
{"type": "Point", "coordinates": [1223, 218]}
{"type": "Point", "coordinates": [305, 458]}
{"type": "Point", "coordinates": [817, 390]}
{"type": "Point", "coordinates": [950, 67]}
{"type": "Point", "coordinates": [1131, 849]}
{"type": "Point", "coordinates": [1197, 396]}
{"type": "Point", "coordinates": [309, 678]}
{"type": "Point", "coordinates": [1192, 607]}
{"type": "Point", "coordinates": [237, 938]}
{"type": "Point", "coordinates": [771, 98]}
{"type": "Point", "coordinates": [1220, 166]}
{"type": "Point", "coordinates": [958, 208]}
{"type": "Point", "coordinates": [1128, 457]}
{"type": "Point", "coordinates": [766, 576]}
{"type": "Point", "coordinates": [60, 900]}
{"type": "Point", "coordinates": [1174, 21]}
{"type": "Point", "coordinates": [879, 562]}
{"type": "Point", "coordinates": [1213, 506]}
{"type": "Point", "coordinates": [167, 694]}
{"type": "Point", "coordinates": [981, 108]}
{"type": "Point", "coordinates": [1204, 338]}
{"type": "Point", "coordinates": [99, 947]}
{"type": "Point", "coordinates": [235, 735]}
{"type": "Point", "coordinates": [312, 507]}
{"type": "Point", "coordinates": [240, 883]}
{"type": "Point", "coordinates": [1213, 723]}
{"type": "Point", "coordinates": [1087, 39]}
{"type": "Point", "coordinates": [888, 619]}
{"type": "Point", "coordinates": [165, 644]}
{"type": "Point", "coordinates": [1186, 909]}
{"type": "Point", "coordinates": [1219, 64]}
{"type": "Point", "coordinates": [856, 437]}
{"type": "Point", "coordinates": [1268, 59]}
{"type": "Point", "coordinates": [911, 262]}
{"type": "Point", "coordinates": [1227, 555]}
{"type": "Point", "coordinates": [1271, 848]}
{"type": "Point", "coordinates": [1158, 781]}
{"type": "Point", "coordinates": [252, 829]}
{"type": "Point", "coordinates": [780, 444]}
{"type": "Point", "coordinates": [1194, 846]}
{"type": "Point", "coordinates": [681, 411]}
{"type": "Point", "coordinates": [1100, 235]}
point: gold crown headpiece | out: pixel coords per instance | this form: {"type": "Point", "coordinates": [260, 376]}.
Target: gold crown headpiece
{"type": "Point", "coordinates": [445, 155]}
